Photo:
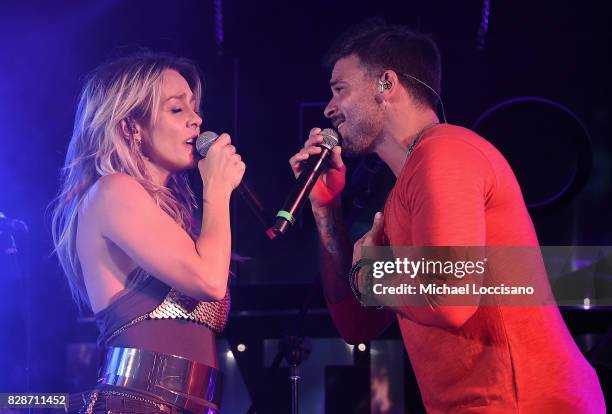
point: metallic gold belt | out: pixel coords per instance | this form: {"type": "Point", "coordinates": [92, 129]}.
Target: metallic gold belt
{"type": "Point", "coordinates": [186, 384]}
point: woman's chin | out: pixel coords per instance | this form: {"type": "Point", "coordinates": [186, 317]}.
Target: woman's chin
{"type": "Point", "coordinates": [193, 163]}
{"type": "Point", "coordinates": [190, 163]}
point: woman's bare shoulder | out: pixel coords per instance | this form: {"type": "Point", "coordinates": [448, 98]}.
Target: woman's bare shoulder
{"type": "Point", "coordinates": [113, 190]}
{"type": "Point", "coordinates": [116, 184]}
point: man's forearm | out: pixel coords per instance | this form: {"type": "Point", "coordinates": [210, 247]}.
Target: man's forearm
{"type": "Point", "coordinates": [335, 252]}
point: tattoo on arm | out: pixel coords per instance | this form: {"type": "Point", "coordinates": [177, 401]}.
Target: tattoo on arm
{"type": "Point", "coordinates": [335, 253]}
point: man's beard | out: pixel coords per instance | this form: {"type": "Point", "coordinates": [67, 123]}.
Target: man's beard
{"type": "Point", "coordinates": [361, 141]}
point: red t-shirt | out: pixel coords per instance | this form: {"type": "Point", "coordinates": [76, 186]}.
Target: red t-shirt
{"type": "Point", "coordinates": [456, 189]}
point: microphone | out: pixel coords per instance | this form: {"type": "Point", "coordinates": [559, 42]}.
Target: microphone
{"type": "Point", "coordinates": [203, 144]}
{"type": "Point", "coordinates": [306, 180]}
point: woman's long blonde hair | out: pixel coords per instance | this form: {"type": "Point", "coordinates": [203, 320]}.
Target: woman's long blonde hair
{"type": "Point", "coordinates": [125, 89]}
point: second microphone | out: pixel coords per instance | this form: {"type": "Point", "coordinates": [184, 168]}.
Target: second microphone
{"type": "Point", "coordinates": [307, 179]}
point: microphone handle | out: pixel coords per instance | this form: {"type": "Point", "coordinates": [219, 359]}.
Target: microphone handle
{"type": "Point", "coordinates": [297, 197]}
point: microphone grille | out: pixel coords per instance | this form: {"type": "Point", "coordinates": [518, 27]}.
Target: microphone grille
{"type": "Point", "coordinates": [204, 141]}
{"type": "Point", "coordinates": [330, 138]}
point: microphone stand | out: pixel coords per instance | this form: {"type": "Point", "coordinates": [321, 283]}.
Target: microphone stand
{"type": "Point", "coordinates": [295, 349]}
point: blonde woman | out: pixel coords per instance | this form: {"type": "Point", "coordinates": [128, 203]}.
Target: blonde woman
{"type": "Point", "coordinates": [126, 237]}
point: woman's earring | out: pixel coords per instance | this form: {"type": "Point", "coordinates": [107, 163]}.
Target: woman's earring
{"type": "Point", "coordinates": [134, 131]}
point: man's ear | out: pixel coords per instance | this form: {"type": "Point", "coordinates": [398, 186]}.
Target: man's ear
{"type": "Point", "coordinates": [387, 86]}
{"type": "Point", "coordinates": [388, 82]}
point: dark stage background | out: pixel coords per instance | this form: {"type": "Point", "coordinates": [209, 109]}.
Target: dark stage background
{"type": "Point", "coordinates": [265, 86]}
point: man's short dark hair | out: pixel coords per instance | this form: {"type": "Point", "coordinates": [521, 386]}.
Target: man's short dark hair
{"type": "Point", "coordinates": [381, 46]}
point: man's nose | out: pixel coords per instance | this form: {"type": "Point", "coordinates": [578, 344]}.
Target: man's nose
{"type": "Point", "coordinates": [330, 109]}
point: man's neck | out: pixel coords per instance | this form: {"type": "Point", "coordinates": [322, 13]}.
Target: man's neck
{"type": "Point", "coordinates": [401, 130]}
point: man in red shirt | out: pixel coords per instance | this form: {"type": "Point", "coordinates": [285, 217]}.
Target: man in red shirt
{"type": "Point", "coordinates": [453, 188]}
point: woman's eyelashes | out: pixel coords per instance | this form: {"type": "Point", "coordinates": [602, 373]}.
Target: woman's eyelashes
{"type": "Point", "coordinates": [177, 110]}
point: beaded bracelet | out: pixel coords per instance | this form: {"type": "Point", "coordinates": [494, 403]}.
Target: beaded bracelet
{"type": "Point", "coordinates": [353, 275]}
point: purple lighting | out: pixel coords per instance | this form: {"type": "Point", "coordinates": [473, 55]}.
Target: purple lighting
{"type": "Point", "coordinates": [218, 4]}
{"type": "Point", "coordinates": [484, 24]}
